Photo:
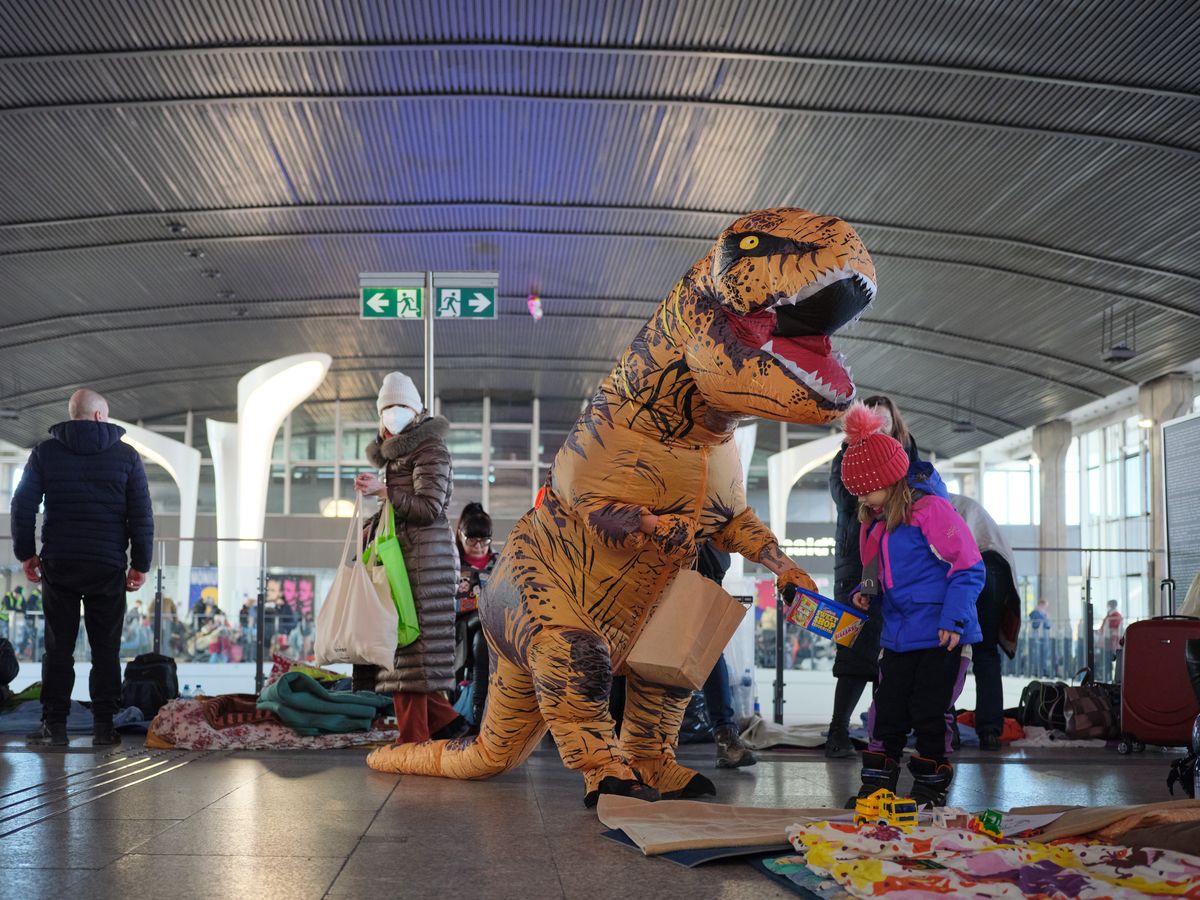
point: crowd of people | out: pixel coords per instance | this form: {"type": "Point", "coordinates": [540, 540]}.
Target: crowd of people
{"type": "Point", "coordinates": [930, 571]}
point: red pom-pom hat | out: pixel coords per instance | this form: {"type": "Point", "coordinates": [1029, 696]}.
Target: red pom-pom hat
{"type": "Point", "coordinates": [873, 460]}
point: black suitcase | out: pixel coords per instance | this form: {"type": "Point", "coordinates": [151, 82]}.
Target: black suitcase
{"type": "Point", "coordinates": [150, 681]}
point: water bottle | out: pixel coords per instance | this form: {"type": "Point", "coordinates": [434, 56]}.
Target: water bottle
{"type": "Point", "coordinates": [186, 693]}
{"type": "Point", "coordinates": [747, 677]}
{"type": "Point", "coordinates": [199, 691]}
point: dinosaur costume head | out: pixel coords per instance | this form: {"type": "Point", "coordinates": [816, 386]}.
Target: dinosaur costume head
{"type": "Point", "coordinates": [751, 321]}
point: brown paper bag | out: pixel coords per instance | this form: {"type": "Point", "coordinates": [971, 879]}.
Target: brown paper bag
{"type": "Point", "coordinates": [686, 632]}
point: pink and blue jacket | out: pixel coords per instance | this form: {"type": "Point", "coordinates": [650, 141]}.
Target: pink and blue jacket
{"type": "Point", "coordinates": [930, 572]}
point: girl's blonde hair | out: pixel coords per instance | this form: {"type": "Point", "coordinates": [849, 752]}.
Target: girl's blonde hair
{"type": "Point", "coordinates": [897, 507]}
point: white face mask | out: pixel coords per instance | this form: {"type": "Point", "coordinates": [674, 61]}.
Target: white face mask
{"type": "Point", "coordinates": [396, 418]}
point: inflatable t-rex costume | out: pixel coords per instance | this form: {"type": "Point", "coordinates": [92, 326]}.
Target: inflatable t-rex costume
{"type": "Point", "coordinates": [649, 469]}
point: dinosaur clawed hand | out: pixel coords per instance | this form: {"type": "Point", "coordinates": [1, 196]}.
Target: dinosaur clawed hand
{"type": "Point", "coordinates": [675, 536]}
{"type": "Point", "coordinates": [791, 579]}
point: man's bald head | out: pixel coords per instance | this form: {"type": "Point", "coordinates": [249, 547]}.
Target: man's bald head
{"type": "Point", "coordinates": [87, 405]}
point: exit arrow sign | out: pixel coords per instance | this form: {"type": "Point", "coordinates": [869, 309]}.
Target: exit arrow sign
{"type": "Point", "coordinates": [466, 303]}
{"type": "Point", "coordinates": [390, 303]}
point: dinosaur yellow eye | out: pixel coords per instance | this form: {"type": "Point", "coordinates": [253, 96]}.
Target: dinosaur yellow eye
{"type": "Point", "coordinates": [749, 242]}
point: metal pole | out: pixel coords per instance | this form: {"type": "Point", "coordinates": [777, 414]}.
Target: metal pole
{"type": "Point", "coordinates": [780, 622]}
{"type": "Point", "coordinates": [1090, 637]}
{"type": "Point", "coordinates": [260, 617]}
{"type": "Point", "coordinates": [158, 598]}
{"type": "Point", "coordinates": [430, 300]}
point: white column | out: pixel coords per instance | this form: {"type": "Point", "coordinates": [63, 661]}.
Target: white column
{"type": "Point", "coordinates": [1051, 441]}
{"type": "Point", "coordinates": [266, 396]}
{"type": "Point", "coordinates": [787, 467]}
{"type": "Point", "coordinates": [182, 463]}
{"type": "Point", "coordinates": [1161, 400]}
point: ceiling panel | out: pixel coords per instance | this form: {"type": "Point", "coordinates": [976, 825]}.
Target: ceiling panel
{"type": "Point", "coordinates": [191, 191]}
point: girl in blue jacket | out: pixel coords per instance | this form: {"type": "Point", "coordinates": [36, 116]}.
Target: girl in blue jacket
{"type": "Point", "coordinates": [921, 563]}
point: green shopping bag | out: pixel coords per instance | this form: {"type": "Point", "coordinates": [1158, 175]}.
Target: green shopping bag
{"type": "Point", "coordinates": [385, 551]}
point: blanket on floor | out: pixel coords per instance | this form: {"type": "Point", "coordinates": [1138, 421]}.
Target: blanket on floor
{"type": "Point", "coordinates": [228, 710]}
{"type": "Point", "coordinates": [310, 709]}
{"type": "Point", "coordinates": [181, 724]}
{"type": "Point", "coordinates": [882, 860]}
{"type": "Point", "coordinates": [690, 824]}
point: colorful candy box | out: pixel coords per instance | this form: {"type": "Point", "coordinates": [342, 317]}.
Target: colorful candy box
{"type": "Point", "coordinates": [828, 618]}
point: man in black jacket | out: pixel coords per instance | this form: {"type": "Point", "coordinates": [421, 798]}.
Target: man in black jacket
{"type": "Point", "coordinates": [97, 503]}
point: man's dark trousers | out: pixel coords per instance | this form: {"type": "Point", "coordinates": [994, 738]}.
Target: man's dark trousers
{"type": "Point", "coordinates": [101, 589]}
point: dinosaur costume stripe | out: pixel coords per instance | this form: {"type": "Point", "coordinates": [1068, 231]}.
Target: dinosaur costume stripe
{"type": "Point", "coordinates": [649, 470]}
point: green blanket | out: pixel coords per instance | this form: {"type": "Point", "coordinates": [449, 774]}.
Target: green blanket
{"type": "Point", "coordinates": [308, 708]}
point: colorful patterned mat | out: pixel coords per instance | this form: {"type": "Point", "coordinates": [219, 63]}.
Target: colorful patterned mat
{"type": "Point", "coordinates": [883, 861]}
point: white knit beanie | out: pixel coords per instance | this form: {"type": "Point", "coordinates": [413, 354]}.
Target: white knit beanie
{"type": "Point", "coordinates": [398, 388]}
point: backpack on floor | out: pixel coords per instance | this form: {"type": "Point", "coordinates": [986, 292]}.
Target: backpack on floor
{"type": "Point", "coordinates": [150, 681]}
{"type": "Point", "coordinates": [1043, 705]}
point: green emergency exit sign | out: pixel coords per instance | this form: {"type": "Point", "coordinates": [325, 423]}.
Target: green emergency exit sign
{"type": "Point", "coordinates": [391, 303]}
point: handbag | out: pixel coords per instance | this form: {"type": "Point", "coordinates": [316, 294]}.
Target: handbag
{"type": "Point", "coordinates": [1087, 710]}
{"type": "Point", "coordinates": [1042, 705]}
{"type": "Point", "coordinates": [354, 625]}
{"type": "Point", "coordinates": [385, 561]}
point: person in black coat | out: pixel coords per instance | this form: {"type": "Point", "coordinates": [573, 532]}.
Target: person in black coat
{"type": "Point", "coordinates": [857, 665]}
{"type": "Point", "coordinates": [97, 504]}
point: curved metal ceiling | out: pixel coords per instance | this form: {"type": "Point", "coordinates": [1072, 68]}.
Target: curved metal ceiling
{"type": "Point", "coordinates": [191, 190]}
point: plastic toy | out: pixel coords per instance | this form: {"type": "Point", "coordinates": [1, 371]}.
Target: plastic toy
{"type": "Point", "coordinates": [951, 817]}
{"type": "Point", "coordinates": [987, 822]}
{"type": "Point", "coordinates": [885, 808]}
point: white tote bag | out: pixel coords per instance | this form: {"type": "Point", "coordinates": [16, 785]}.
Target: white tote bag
{"type": "Point", "coordinates": [355, 624]}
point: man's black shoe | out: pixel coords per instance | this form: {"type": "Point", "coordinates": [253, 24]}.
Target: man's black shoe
{"type": "Point", "coordinates": [989, 741]}
{"type": "Point", "coordinates": [50, 734]}
{"type": "Point", "coordinates": [104, 735]}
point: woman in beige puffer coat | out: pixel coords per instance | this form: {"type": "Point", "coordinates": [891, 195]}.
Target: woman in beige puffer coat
{"type": "Point", "coordinates": [417, 480]}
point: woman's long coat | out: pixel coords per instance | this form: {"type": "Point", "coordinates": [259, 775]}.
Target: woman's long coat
{"type": "Point", "coordinates": [419, 480]}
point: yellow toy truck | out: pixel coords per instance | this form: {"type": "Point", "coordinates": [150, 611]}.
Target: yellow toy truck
{"type": "Point", "coordinates": [885, 808]}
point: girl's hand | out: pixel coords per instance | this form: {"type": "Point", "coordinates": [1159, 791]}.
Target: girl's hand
{"type": "Point", "coordinates": [948, 639]}
{"type": "Point", "coordinates": [649, 522]}
{"type": "Point", "coordinates": [863, 603]}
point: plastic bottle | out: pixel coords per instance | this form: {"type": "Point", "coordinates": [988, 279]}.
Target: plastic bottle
{"type": "Point", "coordinates": [199, 691]}
{"type": "Point", "coordinates": [747, 677]}
{"type": "Point", "coordinates": [186, 693]}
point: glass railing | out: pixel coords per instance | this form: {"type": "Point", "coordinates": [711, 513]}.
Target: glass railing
{"type": "Point", "coordinates": [239, 602]}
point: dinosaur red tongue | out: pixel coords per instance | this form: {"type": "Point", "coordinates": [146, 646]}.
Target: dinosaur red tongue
{"type": "Point", "coordinates": [811, 353]}
{"type": "Point", "coordinates": [814, 353]}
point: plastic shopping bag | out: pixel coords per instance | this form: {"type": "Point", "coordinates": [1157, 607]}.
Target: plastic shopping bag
{"type": "Point", "coordinates": [385, 561]}
{"type": "Point", "coordinates": [355, 625]}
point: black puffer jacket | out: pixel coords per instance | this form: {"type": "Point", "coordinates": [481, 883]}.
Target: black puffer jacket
{"type": "Point", "coordinates": [419, 480]}
{"type": "Point", "coordinates": [97, 502]}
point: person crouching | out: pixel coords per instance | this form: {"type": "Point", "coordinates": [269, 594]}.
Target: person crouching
{"type": "Point", "coordinates": [921, 563]}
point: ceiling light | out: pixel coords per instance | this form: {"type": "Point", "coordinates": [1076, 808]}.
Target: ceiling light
{"type": "Point", "coordinates": [227, 294]}
{"type": "Point", "coordinates": [962, 426]}
{"type": "Point", "coordinates": [211, 273]}
{"type": "Point", "coordinates": [1145, 423]}
{"type": "Point", "coordinates": [176, 227]}
{"type": "Point", "coordinates": [194, 253]}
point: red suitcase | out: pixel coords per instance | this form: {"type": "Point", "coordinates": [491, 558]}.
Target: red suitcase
{"type": "Point", "coordinates": [1158, 705]}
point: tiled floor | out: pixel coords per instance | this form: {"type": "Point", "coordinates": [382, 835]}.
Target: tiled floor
{"type": "Point", "coordinates": [300, 825]}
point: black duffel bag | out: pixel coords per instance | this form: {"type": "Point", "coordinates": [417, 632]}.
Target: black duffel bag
{"type": "Point", "coordinates": [150, 681]}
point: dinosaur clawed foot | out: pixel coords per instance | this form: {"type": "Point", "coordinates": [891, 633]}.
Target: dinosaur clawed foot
{"type": "Point", "coordinates": [621, 787]}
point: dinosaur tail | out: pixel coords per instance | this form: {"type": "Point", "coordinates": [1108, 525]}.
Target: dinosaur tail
{"type": "Point", "coordinates": [511, 728]}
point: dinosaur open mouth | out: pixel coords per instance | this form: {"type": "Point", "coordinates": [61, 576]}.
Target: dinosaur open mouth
{"type": "Point", "coordinates": [794, 332]}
